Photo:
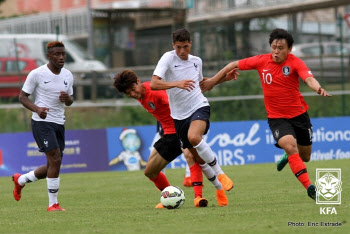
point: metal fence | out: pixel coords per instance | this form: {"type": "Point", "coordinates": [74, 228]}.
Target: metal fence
{"type": "Point", "coordinates": [95, 87]}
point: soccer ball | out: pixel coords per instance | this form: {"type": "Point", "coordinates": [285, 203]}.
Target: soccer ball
{"type": "Point", "coordinates": [172, 197]}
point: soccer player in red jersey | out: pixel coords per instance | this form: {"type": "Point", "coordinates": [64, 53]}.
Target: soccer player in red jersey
{"type": "Point", "coordinates": [168, 147]}
{"type": "Point", "coordinates": [286, 109]}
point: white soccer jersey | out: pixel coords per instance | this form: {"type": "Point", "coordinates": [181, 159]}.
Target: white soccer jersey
{"type": "Point", "coordinates": [45, 86]}
{"type": "Point", "coordinates": [172, 68]}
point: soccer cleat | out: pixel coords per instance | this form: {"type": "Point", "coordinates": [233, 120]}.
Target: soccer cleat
{"type": "Point", "coordinates": [221, 197]}
{"type": "Point", "coordinates": [200, 202]}
{"type": "Point", "coordinates": [187, 182]}
{"type": "Point", "coordinates": [159, 206]}
{"type": "Point", "coordinates": [311, 191]}
{"type": "Point", "coordinates": [282, 162]}
{"type": "Point", "coordinates": [18, 188]}
{"type": "Point", "coordinates": [55, 207]}
{"type": "Point", "coordinates": [226, 182]}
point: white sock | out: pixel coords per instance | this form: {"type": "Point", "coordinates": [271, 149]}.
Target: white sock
{"type": "Point", "coordinates": [27, 178]}
{"type": "Point", "coordinates": [210, 174]}
{"type": "Point", "coordinates": [205, 152]}
{"type": "Point", "coordinates": [188, 172]}
{"type": "Point", "coordinates": [52, 187]}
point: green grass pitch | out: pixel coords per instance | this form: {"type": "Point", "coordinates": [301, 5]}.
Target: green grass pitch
{"type": "Point", "coordinates": [262, 201]}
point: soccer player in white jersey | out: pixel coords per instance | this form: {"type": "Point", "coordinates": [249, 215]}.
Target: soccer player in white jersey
{"type": "Point", "coordinates": [52, 88]}
{"type": "Point", "coordinates": [179, 73]}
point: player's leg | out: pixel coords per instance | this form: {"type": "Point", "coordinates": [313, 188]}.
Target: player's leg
{"type": "Point", "coordinates": [195, 136]}
{"type": "Point", "coordinates": [32, 176]}
{"type": "Point", "coordinates": [210, 174]}
{"type": "Point", "coordinates": [153, 170]}
{"type": "Point", "coordinates": [54, 142]}
{"type": "Point", "coordinates": [305, 152]}
{"type": "Point", "coordinates": [282, 162]}
{"type": "Point", "coordinates": [187, 178]}
{"type": "Point", "coordinates": [285, 133]}
{"type": "Point", "coordinates": [54, 158]}
{"type": "Point", "coordinates": [305, 155]}
{"type": "Point", "coordinates": [298, 167]}
{"type": "Point", "coordinates": [166, 149]}
{"type": "Point", "coordinates": [196, 178]}
{"type": "Point", "coordinates": [289, 144]}
{"type": "Point", "coordinates": [303, 129]}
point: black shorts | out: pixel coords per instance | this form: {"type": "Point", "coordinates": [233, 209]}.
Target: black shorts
{"type": "Point", "coordinates": [48, 135]}
{"type": "Point", "coordinates": [183, 125]}
{"type": "Point", "coordinates": [168, 146]}
{"type": "Point", "coordinates": [299, 127]}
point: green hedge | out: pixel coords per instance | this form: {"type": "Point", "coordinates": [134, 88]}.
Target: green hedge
{"type": "Point", "coordinates": [18, 120]}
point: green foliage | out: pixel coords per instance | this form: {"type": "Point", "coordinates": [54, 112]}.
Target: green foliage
{"type": "Point", "coordinates": [262, 201]}
{"type": "Point", "coordinates": [248, 83]}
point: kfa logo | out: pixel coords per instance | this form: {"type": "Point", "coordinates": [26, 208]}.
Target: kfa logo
{"type": "Point", "coordinates": [328, 210]}
{"type": "Point", "coordinates": [328, 184]}
{"type": "Point", "coordinates": [286, 70]}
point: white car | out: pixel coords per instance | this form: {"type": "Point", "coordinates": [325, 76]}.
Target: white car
{"type": "Point", "coordinates": [324, 60]}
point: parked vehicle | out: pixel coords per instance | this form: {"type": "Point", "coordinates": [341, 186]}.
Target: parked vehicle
{"type": "Point", "coordinates": [11, 64]}
{"type": "Point", "coordinates": [34, 46]}
{"type": "Point", "coordinates": [324, 60]}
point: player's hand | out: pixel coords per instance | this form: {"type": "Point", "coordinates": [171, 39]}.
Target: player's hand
{"type": "Point", "coordinates": [206, 84]}
{"type": "Point", "coordinates": [323, 92]}
{"type": "Point", "coordinates": [186, 84]}
{"type": "Point", "coordinates": [232, 75]}
{"type": "Point", "coordinates": [63, 96]}
{"type": "Point", "coordinates": [42, 112]}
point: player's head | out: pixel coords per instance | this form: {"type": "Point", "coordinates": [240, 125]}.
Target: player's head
{"type": "Point", "coordinates": [56, 54]}
{"type": "Point", "coordinates": [182, 43]}
{"type": "Point", "coordinates": [281, 43]}
{"type": "Point", "coordinates": [127, 82]}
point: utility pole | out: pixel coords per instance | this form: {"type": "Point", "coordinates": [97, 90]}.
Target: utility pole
{"type": "Point", "coordinates": [90, 30]}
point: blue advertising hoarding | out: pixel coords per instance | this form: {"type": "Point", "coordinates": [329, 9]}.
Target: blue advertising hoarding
{"type": "Point", "coordinates": [234, 143]}
{"type": "Point", "coordinates": [116, 149]}
{"type": "Point", "coordinates": [85, 150]}
{"type": "Point", "coordinates": [129, 148]}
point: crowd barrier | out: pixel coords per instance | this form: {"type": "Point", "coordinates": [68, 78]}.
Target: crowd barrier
{"type": "Point", "coordinates": [128, 148]}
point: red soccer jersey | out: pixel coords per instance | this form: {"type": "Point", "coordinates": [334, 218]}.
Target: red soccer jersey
{"type": "Point", "coordinates": [156, 102]}
{"type": "Point", "coordinates": [280, 84]}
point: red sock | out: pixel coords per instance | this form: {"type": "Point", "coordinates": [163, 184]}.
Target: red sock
{"type": "Point", "coordinates": [299, 169]}
{"type": "Point", "coordinates": [161, 182]}
{"type": "Point", "coordinates": [197, 179]}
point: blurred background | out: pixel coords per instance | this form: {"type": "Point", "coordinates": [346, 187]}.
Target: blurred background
{"type": "Point", "coordinates": [103, 37]}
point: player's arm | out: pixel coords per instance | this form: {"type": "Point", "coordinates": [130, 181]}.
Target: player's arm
{"type": "Point", "coordinates": [158, 84]}
{"type": "Point", "coordinates": [315, 85]}
{"type": "Point", "coordinates": [27, 103]}
{"type": "Point", "coordinates": [229, 72]}
{"type": "Point", "coordinates": [66, 98]}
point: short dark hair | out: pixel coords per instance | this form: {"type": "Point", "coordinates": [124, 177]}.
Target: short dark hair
{"type": "Point", "coordinates": [124, 80]}
{"type": "Point", "coordinates": [181, 35]}
{"type": "Point", "coordinates": [280, 33]}
{"type": "Point", "coordinates": [53, 44]}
